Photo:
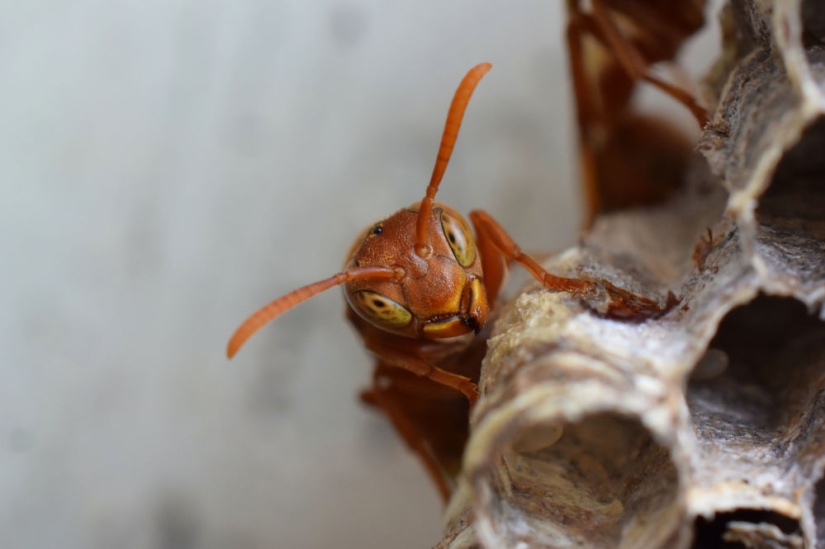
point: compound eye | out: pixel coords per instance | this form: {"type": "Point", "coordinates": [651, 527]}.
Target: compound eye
{"type": "Point", "coordinates": [460, 239]}
{"type": "Point", "coordinates": [380, 310]}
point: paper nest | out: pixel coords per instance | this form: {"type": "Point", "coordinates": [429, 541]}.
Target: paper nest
{"type": "Point", "coordinates": [706, 426]}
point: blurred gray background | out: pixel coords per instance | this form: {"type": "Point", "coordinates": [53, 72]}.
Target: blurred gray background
{"type": "Point", "coordinates": [169, 166]}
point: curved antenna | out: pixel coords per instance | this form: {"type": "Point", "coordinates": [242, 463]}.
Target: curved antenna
{"type": "Point", "coordinates": [295, 297]}
{"type": "Point", "coordinates": [448, 138]}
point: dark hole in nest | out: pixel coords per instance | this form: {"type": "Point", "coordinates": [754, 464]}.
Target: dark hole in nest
{"type": "Point", "coordinates": [790, 228]}
{"type": "Point", "coordinates": [813, 18]}
{"type": "Point", "coordinates": [774, 349]}
{"type": "Point", "coordinates": [796, 196]}
{"type": "Point", "coordinates": [819, 512]}
{"type": "Point", "coordinates": [769, 401]}
{"type": "Point", "coordinates": [709, 534]}
{"type": "Point", "coordinates": [791, 214]}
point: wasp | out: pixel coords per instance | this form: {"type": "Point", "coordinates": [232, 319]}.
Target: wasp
{"type": "Point", "coordinates": [420, 288]}
{"type": "Point", "coordinates": [627, 158]}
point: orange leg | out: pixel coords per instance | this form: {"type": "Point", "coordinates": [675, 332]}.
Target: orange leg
{"type": "Point", "coordinates": [493, 237]}
{"type": "Point", "coordinates": [380, 397]}
{"type": "Point", "coordinates": [625, 305]}
{"type": "Point", "coordinates": [634, 62]}
{"type": "Point", "coordinates": [493, 265]}
{"type": "Point", "coordinates": [622, 304]}
{"type": "Point", "coordinates": [600, 109]}
{"type": "Point", "coordinates": [589, 116]}
{"type": "Point", "coordinates": [408, 354]}
{"type": "Point", "coordinates": [588, 106]}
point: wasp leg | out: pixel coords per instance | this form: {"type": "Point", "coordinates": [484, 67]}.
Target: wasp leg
{"type": "Point", "coordinates": [495, 239]}
{"type": "Point", "coordinates": [589, 116]}
{"type": "Point", "coordinates": [634, 62]}
{"type": "Point", "coordinates": [410, 355]}
{"type": "Point", "coordinates": [383, 396]}
{"type": "Point", "coordinates": [622, 155]}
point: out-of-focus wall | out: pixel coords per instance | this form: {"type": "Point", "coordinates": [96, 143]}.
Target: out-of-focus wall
{"type": "Point", "coordinates": [169, 166]}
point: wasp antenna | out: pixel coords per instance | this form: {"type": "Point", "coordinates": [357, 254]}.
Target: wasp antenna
{"type": "Point", "coordinates": [295, 297]}
{"type": "Point", "coordinates": [448, 138]}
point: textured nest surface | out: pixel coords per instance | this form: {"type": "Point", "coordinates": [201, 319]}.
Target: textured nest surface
{"type": "Point", "coordinates": [704, 427]}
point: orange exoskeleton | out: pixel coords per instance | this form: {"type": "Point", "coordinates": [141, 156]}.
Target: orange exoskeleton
{"type": "Point", "coordinates": [419, 287]}
{"type": "Point", "coordinates": [420, 275]}
{"type": "Point", "coordinates": [627, 158]}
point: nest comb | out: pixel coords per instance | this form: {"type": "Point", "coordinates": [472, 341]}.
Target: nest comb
{"type": "Point", "coordinates": [704, 427]}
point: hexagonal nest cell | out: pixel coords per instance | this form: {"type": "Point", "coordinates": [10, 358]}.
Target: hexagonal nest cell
{"type": "Point", "coordinates": [703, 426]}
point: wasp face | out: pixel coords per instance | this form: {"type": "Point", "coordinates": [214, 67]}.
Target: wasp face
{"type": "Point", "coordinates": [440, 296]}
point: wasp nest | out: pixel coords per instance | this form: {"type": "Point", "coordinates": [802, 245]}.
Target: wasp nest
{"type": "Point", "coordinates": [704, 427]}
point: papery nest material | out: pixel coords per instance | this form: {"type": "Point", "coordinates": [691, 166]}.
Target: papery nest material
{"type": "Point", "coordinates": [705, 426]}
